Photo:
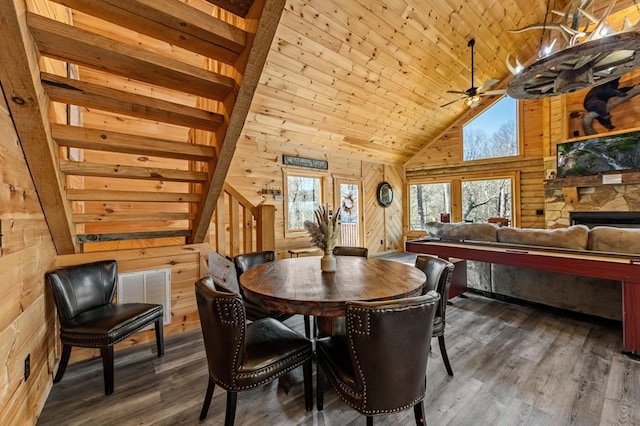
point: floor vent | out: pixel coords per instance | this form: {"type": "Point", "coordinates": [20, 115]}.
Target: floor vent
{"type": "Point", "coordinates": [152, 286]}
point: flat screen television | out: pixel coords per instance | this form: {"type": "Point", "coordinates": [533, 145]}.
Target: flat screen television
{"type": "Point", "coordinates": [597, 155]}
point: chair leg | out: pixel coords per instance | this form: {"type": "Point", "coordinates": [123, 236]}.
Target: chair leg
{"type": "Point", "coordinates": [369, 420]}
{"type": "Point", "coordinates": [418, 410]}
{"type": "Point", "coordinates": [445, 358]}
{"type": "Point", "coordinates": [107, 369]}
{"type": "Point", "coordinates": [320, 389]}
{"type": "Point", "coordinates": [159, 337]}
{"type": "Point", "coordinates": [64, 361]}
{"type": "Point", "coordinates": [207, 399]}
{"type": "Point", "coordinates": [307, 326]}
{"type": "Point", "coordinates": [307, 370]}
{"type": "Point", "coordinates": [230, 416]}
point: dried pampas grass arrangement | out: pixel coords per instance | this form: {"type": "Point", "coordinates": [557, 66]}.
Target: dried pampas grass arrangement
{"type": "Point", "coordinates": [324, 233]}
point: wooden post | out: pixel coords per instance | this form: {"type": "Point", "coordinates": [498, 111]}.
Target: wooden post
{"type": "Point", "coordinates": [265, 227]}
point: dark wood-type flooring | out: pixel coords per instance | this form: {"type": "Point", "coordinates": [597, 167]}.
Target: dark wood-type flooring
{"type": "Point", "coordinates": [513, 364]}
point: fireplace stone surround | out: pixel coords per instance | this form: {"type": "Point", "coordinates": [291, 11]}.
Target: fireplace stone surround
{"type": "Point", "coordinates": [605, 205]}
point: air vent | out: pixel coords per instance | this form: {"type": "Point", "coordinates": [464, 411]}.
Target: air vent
{"type": "Point", "coordinates": [152, 286]}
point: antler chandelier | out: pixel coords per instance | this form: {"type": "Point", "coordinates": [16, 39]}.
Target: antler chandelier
{"type": "Point", "coordinates": [589, 53]}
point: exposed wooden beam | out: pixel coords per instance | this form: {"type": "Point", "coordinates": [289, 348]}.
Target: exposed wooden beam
{"type": "Point", "coordinates": [130, 172]}
{"type": "Point", "coordinates": [97, 238]}
{"type": "Point", "coordinates": [171, 21]}
{"type": "Point", "coordinates": [271, 12]}
{"type": "Point", "coordinates": [136, 196]}
{"type": "Point", "coordinates": [101, 140]}
{"type": "Point", "coordinates": [82, 47]}
{"type": "Point", "coordinates": [238, 7]}
{"type": "Point", "coordinates": [147, 217]}
{"type": "Point", "coordinates": [76, 92]}
{"type": "Point", "coordinates": [20, 78]}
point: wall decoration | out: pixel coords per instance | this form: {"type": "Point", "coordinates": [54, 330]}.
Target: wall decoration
{"type": "Point", "coordinates": [607, 153]}
{"type": "Point", "coordinates": [600, 100]}
{"type": "Point", "coordinates": [305, 162]}
{"type": "Point", "coordinates": [384, 194]}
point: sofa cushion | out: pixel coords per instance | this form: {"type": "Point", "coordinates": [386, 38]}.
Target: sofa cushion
{"type": "Point", "coordinates": [574, 237]}
{"type": "Point", "coordinates": [615, 240]}
{"type": "Point", "coordinates": [463, 231]}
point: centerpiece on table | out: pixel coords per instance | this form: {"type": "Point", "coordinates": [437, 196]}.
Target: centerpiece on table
{"type": "Point", "coordinates": [324, 234]}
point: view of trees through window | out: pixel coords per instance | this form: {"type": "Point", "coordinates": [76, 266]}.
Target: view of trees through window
{"type": "Point", "coordinates": [493, 133]}
{"type": "Point", "coordinates": [304, 194]}
{"type": "Point", "coordinates": [482, 199]}
{"type": "Point", "coordinates": [427, 202]}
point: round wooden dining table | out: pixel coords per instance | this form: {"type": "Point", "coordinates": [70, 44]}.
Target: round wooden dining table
{"type": "Point", "coordinates": [298, 286]}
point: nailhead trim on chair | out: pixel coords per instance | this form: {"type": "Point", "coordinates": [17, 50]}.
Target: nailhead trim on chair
{"type": "Point", "coordinates": [303, 354]}
{"type": "Point", "coordinates": [231, 311]}
{"type": "Point", "coordinates": [352, 317]}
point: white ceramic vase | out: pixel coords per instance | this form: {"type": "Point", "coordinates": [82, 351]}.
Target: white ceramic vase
{"type": "Point", "coordinates": [328, 262]}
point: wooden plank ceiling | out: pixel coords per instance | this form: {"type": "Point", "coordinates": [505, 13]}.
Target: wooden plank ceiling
{"type": "Point", "coordinates": [166, 88]}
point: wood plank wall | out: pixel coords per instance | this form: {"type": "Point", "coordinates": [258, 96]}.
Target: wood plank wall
{"type": "Point", "coordinates": [257, 164]}
{"type": "Point", "coordinates": [27, 313]}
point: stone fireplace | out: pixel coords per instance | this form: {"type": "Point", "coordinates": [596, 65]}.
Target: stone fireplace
{"type": "Point", "coordinates": [561, 201]}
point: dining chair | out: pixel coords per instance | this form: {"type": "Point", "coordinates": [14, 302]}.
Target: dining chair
{"type": "Point", "coordinates": [83, 296]}
{"type": "Point", "coordinates": [242, 356]}
{"type": "Point", "coordinates": [350, 251]}
{"type": "Point", "coordinates": [379, 366]}
{"type": "Point", "coordinates": [242, 263]}
{"type": "Point", "coordinates": [439, 273]}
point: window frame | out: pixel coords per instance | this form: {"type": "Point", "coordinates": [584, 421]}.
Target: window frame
{"type": "Point", "coordinates": [455, 182]}
{"type": "Point", "coordinates": [452, 200]}
{"type": "Point", "coordinates": [519, 135]}
{"type": "Point", "coordinates": [286, 173]}
{"type": "Point", "coordinates": [514, 177]}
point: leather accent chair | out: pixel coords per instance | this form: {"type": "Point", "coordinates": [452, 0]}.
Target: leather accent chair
{"type": "Point", "coordinates": [350, 251]}
{"type": "Point", "coordinates": [439, 273]}
{"type": "Point", "coordinates": [243, 262]}
{"type": "Point", "coordinates": [380, 365]}
{"type": "Point", "coordinates": [83, 296]}
{"type": "Point", "coordinates": [243, 356]}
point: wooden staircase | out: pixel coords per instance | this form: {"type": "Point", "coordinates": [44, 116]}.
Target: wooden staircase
{"type": "Point", "coordinates": [193, 75]}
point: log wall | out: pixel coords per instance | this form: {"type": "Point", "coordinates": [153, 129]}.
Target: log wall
{"type": "Point", "coordinates": [443, 160]}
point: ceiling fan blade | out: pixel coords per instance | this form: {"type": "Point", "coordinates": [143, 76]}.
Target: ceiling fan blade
{"type": "Point", "coordinates": [489, 83]}
{"type": "Point", "coordinates": [457, 92]}
{"type": "Point", "coordinates": [452, 102]}
{"type": "Point", "coordinates": [493, 92]}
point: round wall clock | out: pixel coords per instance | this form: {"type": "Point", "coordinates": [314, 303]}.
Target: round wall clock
{"type": "Point", "coordinates": [384, 194]}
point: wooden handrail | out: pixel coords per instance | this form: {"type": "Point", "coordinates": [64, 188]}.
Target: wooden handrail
{"type": "Point", "coordinates": [237, 226]}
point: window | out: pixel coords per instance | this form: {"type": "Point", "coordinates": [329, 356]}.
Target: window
{"type": "Point", "coordinates": [426, 202]}
{"type": "Point", "coordinates": [303, 194]}
{"type": "Point", "coordinates": [493, 133]}
{"type": "Point", "coordinates": [482, 199]}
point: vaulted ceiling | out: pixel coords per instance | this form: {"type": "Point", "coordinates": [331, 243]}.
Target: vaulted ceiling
{"type": "Point", "coordinates": [363, 78]}
{"type": "Point", "coordinates": [368, 77]}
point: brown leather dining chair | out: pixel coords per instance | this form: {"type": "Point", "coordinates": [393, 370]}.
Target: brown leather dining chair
{"type": "Point", "coordinates": [243, 356]}
{"type": "Point", "coordinates": [242, 263]}
{"type": "Point", "coordinates": [380, 365]}
{"type": "Point", "coordinates": [350, 251]}
{"type": "Point", "coordinates": [83, 295]}
{"type": "Point", "coordinates": [439, 273]}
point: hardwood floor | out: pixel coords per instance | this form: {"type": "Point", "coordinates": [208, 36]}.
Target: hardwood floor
{"type": "Point", "coordinates": [513, 365]}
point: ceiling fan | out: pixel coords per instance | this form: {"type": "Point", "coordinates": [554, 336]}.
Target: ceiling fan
{"type": "Point", "coordinates": [472, 94]}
